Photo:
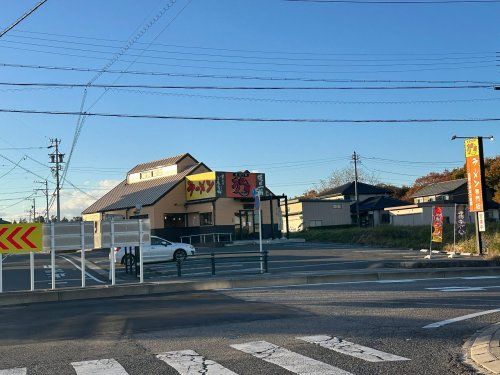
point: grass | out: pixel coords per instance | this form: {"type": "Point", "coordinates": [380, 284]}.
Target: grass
{"type": "Point", "coordinates": [404, 237]}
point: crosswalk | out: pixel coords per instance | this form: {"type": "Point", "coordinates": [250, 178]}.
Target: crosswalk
{"type": "Point", "coordinates": [189, 362]}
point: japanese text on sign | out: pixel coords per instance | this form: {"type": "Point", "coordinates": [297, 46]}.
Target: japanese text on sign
{"type": "Point", "coordinates": [437, 224]}
{"type": "Point", "coordinates": [474, 178]}
{"type": "Point", "coordinates": [200, 186]}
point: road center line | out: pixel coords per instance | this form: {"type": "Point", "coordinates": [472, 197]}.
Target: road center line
{"type": "Point", "coordinates": [78, 267]}
{"type": "Point", "coordinates": [460, 318]}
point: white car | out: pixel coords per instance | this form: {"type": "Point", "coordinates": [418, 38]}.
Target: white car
{"type": "Point", "coordinates": [160, 250]}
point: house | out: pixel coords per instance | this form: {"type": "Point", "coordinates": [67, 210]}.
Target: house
{"type": "Point", "coordinates": [336, 206]}
{"type": "Point", "coordinates": [2, 221]}
{"type": "Point", "coordinates": [372, 210]}
{"type": "Point", "coordinates": [305, 213]}
{"type": "Point", "coordinates": [448, 195]}
{"type": "Point", "coordinates": [184, 197]}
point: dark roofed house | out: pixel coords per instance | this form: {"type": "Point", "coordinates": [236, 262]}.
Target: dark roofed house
{"type": "Point", "coordinates": [183, 197]}
{"type": "Point", "coordinates": [347, 191]}
{"type": "Point", "coordinates": [372, 210]}
{"type": "Point", "coordinates": [453, 191]}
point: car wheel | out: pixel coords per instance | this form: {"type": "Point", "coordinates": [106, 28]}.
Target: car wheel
{"type": "Point", "coordinates": [180, 255]}
{"type": "Point", "coordinates": [128, 258]}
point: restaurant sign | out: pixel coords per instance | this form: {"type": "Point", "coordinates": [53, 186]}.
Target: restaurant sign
{"type": "Point", "coordinates": [474, 177]}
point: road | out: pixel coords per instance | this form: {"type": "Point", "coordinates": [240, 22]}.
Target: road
{"type": "Point", "coordinates": [378, 326]}
{"type": "Point", "coordinates": [283, 258]}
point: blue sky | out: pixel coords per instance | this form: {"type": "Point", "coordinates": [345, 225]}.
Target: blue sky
{"type": "Point", "coordinates": [265, 38]}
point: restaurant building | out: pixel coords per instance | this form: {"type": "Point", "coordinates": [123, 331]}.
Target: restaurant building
{"type": "Point", "coordinates": [183, 199]}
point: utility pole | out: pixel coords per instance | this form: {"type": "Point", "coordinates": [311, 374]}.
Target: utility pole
{"type": "Point", "coordinates": [355, 157]}
{"type": "Point", "coordinates": [57, 158]}
{"type": "Point", "coordinates": [46, 192]}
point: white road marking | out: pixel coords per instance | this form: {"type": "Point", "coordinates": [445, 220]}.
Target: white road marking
{"type": "Point", "coordinates": [14, 371]}
{"type": "Point", "coordinates": [354, 350]}
{"type": "Point", "coordinates": [284, 358]}
{"type": "Point", "coordinates": [464, 288]}
{"type": "Point", "coordinates": [99, 367]}
{"type": "Point", "coordinates": [79, 269]}
{"type": "Point", "coordinates": [460, 318]}
{"type": "Point", "coordinates": [188, 362]}
{"type": "Point", "coordinates": [480, 277]}
{"type": "Point", "coordinates": [341, 283]}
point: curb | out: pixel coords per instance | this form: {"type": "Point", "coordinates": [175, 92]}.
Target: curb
{"type": "Point", "coordinates": [485, 350]}
{"type": "Point", "coordinates": [127, 290]}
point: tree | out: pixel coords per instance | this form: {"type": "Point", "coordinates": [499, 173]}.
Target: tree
{"type": "Point", "coordinates": [396, 191]}
{"type": "Point", "coordinates": [340, 177]}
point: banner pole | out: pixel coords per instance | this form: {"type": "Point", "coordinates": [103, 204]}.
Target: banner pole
{"type": "Point", "coordinates": [32, 271]}
{"type": "Point", "coordinates": [432, 227]}
{"type": "Point", "coordinates": [53, 254]}
{"type": "Point", "coordinates": [141, 260]}
{"type": "Point", "coordinates": [113, 277]}
{"type": "Point", "coordinates": [455, 230]}
{"type": "Point", "coordinates": [82, 255]}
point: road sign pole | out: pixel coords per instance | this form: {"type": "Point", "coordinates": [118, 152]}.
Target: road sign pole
{"type": "Point", "coordinates": [432, 230]}
{"type": "Point", "coordinates": [32, 271]}
{"type": "Point", "coordinates": [82, 255]}
{"type": "Point", "coordinates": [455, 230]}
{"type": "Point", "coordinates": [1, 273]}
{"type": "Point", "coordinates": [112, 257]}
{"type": "Point", "coordinates": [53, 254]}
{"type": "Point", "coordinates": [141, 261]}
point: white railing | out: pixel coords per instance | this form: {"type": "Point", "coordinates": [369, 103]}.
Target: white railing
{"type": "Point", "coordinates": [203, 237]}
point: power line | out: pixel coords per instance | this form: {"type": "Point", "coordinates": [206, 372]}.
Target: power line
{"type": "Point", "coordinates": [265, 51]}
{"type": "Point", "coordinates": [395, 1]}
{"type": "Point", "coordinates": [250, 119]}
{"type": "Point", "coordinates": [86, 56]}
{"type": "Point", "coordinates": [462, 57]}
{"type": "Point", "coordinates": [21, 148]}
{"type": "Point", "coordinates": [242, 77]}
{"type": "Point", "coordinates": [303, 101]}
{"type": "Point", "coordinates": [346, 63]}
{"type": "Point", "coordinates": [274, 88]}
{"type": "Point", "coordinates": [24, 16]}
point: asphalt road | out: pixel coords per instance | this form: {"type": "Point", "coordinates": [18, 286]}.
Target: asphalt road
{"type": "Point", "coordinates": [256, 331]}
{"type": "Point", "coordinates": [283, 258]}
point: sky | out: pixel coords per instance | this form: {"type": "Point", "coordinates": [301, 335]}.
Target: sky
{"type": "Point", "coordinates": [243, 43]}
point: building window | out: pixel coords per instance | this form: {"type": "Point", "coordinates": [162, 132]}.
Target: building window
{"type": "Point", "coordinates": [315, 223]}
{"type": "Point", "coordinates": [147, 174]}
{"type": "Point", "coordinates": [336, 206]}
{"type": "Point", "coordinates": [174, 220]}
{"type": "Point", "coordinates": [206, 218]}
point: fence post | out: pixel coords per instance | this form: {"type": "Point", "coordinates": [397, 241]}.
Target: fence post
{"type": "Point", "coordinates": [1, 272]}
{"type": "Point", "coordinates": [213, 264]}
{"type": "Point", "coordinates": [82, 258]}
{"type": "Point", "coordinates": [53, 254]}
{"type": "Point", "coordinates": [265, 262]}
{"type": "Point", "coordinates": [179, 271]}
{"type": "Point", "coordinates": [113, 258]}
{"type": "Point", "coordinates": [141, 261]}
{"type": "Point", "coordinates": [32, 271]}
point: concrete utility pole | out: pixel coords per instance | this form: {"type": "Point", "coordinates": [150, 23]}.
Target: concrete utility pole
{"type": "Point", "coordinates": [57, 158]}
{"type": "Point", "coordinates": [34, 210]}
{"type": "Point", "coordinates": [355, 157]}
{"type": "Point", "coordinates": [479, 242]}
{"type": "Point", "coordinates": [46, 192]}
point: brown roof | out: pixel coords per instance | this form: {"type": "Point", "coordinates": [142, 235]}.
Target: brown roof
{"type": "Point", "coordinates": [160, 163]}
{"type": "Point", "coordinates": [143, 193]}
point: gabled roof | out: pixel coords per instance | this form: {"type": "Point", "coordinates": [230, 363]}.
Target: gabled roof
{"type": "Point", "coordinates": [160, 163]}
{"type": "Point", "coordinates": [142, 193]}
{"type": "Point", "coordinates": [348, 189]}
{"type": "Point", "coordinates": [378, 203]}
{"type": "Point", "coordinates": [439, 188]}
